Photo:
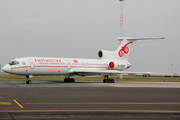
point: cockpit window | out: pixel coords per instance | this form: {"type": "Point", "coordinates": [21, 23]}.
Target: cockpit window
{"type": "Point", "coordinates": [13, 62]}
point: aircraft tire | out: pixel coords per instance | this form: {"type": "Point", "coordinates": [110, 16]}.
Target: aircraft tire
{"type": "Point", "coordinates": [112, 81]}
{"type": "Point", "coordinates": [105, 81]}
{"type": "Point", "coordinates": [66, 80]}
{"type": "Point", "coordinates": [28, 82]}
{"type": "Point", "coordinates": [109, 81]}
{"type": "Point", "coordinates": [69, 80]}
{"type": "Point", "coordinates": [72, 80]}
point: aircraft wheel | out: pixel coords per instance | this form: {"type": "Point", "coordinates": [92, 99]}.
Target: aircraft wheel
{"type": "Point", "coordinates": [28, 82]}
{"type": "Point", "coordinates": [69, 80]}
{"type": "Point", "coordinates": [72, 80]}
{"type": "Point", "coordinates": [109, 81]}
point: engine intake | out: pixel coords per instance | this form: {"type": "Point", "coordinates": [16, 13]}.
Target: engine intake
{"type": "Point", "coordinates": [100, 54]}
{"type": "Point", "coordinates": [104, 54]}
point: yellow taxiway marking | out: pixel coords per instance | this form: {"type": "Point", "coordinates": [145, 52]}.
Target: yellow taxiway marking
{"type": "Point", "coordinates": [177, 111]}
{"type": "Point", "coordinates": [9, 108]}
{"type": "Point", "coordinates": [1, 97]}
{"type": "Point", "coordinates": [5, 103]}
{"type": "Point", "coordinates": [18, 104]}
{"type": "Point", "coordinates": [115, 103]}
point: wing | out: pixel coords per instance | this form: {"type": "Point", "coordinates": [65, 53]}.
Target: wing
{"type": "Point", "coordinates": [94, 72]}
{"type": "Point", "coordinates": [103, 72]}
{"type": "Point", "coordinates": [83, 72]}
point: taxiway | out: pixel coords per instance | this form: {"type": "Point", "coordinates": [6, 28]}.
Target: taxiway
{"type": "Point", "coordinates": [93, 99]}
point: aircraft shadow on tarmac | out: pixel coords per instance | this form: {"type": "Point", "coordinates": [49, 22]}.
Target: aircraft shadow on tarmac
{"type": "Point", "coordinates": [62, 82]}
{"type": "Point", "coordinates": [77, 82]}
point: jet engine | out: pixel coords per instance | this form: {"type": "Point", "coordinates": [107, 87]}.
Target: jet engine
{"type": "Point", "coordinates": [104, 54]}
{"type": "Point", "coordinates": [118, 65]}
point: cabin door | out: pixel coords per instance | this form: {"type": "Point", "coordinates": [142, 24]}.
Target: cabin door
{"type": "Point", "coordinates": [68, 64]}
{"type": "Point", "coordinates": [31, 62]}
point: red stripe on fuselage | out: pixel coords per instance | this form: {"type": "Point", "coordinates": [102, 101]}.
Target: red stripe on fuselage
{"type": "Point", "coordinates": [86, 67]}
{"type": "Point", "coordinates": [21, 67]}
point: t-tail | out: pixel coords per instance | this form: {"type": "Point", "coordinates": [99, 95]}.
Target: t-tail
{"type": "Point", "coordinates": [122, 52]}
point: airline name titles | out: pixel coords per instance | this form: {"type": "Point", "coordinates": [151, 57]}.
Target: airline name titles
{"type": "Point", "coordinates": [47, 60]}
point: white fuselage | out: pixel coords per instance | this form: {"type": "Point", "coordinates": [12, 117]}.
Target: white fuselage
{"type": "Point", "coordinates": [60, 66]}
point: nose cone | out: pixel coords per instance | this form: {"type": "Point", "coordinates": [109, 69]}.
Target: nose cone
{"type": "Point", "coordinates": [7, 68]}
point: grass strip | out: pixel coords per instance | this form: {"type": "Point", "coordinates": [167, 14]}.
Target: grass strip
{"type": "Point", "coordinates": [61, 78]}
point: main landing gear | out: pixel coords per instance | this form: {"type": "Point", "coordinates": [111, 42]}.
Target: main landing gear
{"type": "Point", "coordinates": [28, 81]}
{"type": "Point", "coordinates": [67, 79]}
{"type": "Point", "coordinates": [107, 80]}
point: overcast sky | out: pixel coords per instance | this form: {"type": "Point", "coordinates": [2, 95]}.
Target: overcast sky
{"type": "Point", "coordinates": [80, 28]}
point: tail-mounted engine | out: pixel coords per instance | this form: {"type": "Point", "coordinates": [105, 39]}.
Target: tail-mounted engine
{"type": "Point", "coordinates": [118, 66]}
{"type": "Point", "coordinates": [115, 64]}
{"type": "Point", "coordinates": [105, 54]}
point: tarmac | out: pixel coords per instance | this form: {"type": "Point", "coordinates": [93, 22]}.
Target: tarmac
{"type": "Point", "coordinates": [89, 100]}
{"type": "Point", "coordinates": [90, 84]}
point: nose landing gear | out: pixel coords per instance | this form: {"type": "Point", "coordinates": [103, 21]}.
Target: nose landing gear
{"type": "Point", "coordinates": [28, 81]}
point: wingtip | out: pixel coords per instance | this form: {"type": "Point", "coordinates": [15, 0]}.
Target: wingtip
{"type": "Point", "coordinates": [163, 38]}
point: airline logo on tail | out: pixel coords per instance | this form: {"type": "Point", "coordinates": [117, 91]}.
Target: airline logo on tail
{"type": "Point", "coordinates": [124, 50]}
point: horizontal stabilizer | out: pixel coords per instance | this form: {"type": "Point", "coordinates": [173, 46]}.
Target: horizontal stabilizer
{"type": "Point", "coordinates": [134, 39]}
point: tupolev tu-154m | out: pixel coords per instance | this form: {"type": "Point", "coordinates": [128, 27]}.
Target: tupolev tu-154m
{"type": "Point", "coordinates": [109, 63]}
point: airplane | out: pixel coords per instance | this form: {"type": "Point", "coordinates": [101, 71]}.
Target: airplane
{"type": "Point", "coordinates": [109, 63]}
